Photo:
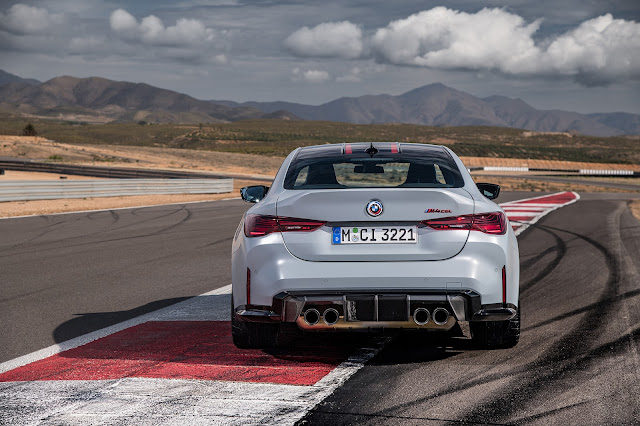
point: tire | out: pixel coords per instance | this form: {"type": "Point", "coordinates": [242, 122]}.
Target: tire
{"type": "Point", "coordinates": [496, 334]}
{"type": "Point", "coordinates": [250, 335]}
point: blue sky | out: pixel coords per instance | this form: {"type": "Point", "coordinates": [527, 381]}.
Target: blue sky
{"type": "Point", "coordinates": [574, 55]}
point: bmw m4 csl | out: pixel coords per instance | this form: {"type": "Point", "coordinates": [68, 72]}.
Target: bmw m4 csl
{"type": "Point", "coordinates": [374, 236]}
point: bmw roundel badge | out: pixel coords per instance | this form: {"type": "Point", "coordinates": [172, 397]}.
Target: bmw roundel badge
{"type": "Point", "coordinates": [374, 208]}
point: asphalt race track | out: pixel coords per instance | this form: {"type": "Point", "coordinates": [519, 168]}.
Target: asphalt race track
{"type": "Point", "coordinates": [62, 276]}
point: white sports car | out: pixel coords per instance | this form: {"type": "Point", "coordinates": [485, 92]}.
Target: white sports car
{"type": "Point", "coordinates": [372, 236]}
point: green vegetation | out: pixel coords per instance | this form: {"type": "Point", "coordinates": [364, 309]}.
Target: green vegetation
{"type": "Point", "coordinates": [56, 158]}
{"type": "Point", "coordinates": [29, 130]}
{"type": "Point", "coordinates": [279, 137]}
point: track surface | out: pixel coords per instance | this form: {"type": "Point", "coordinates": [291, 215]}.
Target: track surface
{"type": "Point", "coordinates": [63, 276]}
{"type": "Point", "coordinates": [66, 275]}
{"type": "Point", "coordinates": [577, 361]}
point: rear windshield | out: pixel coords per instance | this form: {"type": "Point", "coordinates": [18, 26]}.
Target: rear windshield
{"type": "Point", "coordinates": [410, 166]}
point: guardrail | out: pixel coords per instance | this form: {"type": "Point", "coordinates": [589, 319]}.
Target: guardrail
{"type": "Point", "coordinates": [583, 172]}
{"type": "Point", "coordinates": [21, 190]}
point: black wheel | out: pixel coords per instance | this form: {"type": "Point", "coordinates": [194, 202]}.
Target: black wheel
{"type": "Point", "coordinates": [250, 335]}
{"type": "Point", "coordinates": [496, 334]}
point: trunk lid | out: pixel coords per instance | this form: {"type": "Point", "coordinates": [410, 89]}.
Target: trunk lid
{"type": "Point", "coordinates": [401, 207]}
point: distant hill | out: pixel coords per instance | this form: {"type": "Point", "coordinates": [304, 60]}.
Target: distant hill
{"type": "Point", "coordinates": [439, 105]}
{"type": "Point", "coordinates": [68, 97]}
{"type": "Point", "coordinates": [6, 77]}
{"type": "Point", "coordinates": [100, 100]}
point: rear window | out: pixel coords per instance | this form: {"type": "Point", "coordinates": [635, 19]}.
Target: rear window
{"type": "Point", "coordinates": [393, 165]}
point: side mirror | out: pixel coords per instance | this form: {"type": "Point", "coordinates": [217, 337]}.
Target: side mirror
{"type": "Point", "coordinates": [253, 194]}
{"type": "Point", "coordinates": [489, 190]}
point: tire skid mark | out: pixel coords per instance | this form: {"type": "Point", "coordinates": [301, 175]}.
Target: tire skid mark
{"type": "Point", "coordinates": [575, 342]}
{"type": "Point", "coordinates": [182, 208]}
{"type": "Point", "coordinates": [561, 250]}
{"type": "Point", "coordinates": [47, 229]}
{"type": "Point", "coordinates": [574, 339]}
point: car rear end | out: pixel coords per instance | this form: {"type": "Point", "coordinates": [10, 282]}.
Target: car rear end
{"type": "Point", "coordinates": [374, 236]}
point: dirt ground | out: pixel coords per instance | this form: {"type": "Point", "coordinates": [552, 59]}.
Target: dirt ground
{"type": "Point", "coordinates": [17, 175]}
{"type": "Point", "coordinates": [37, 148]}
{"type": "Point", "coordinates": [635, 208]}
{"type": "Point", "coordinates": [542, 164]}
{"type": "Point", "coordinates": [231, 164]}
{"type": "Point", "coordinates": [40, 149]}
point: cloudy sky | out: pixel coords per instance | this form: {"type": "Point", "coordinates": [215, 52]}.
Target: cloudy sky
{"type": "Point", "coordinates": [580, 55]}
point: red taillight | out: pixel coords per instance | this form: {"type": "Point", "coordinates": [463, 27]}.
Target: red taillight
{"type": "Point", "coordinates": [489, 223]}
{"type": "Point", "coordinates": [258, 225]}
{"type": "Point", "coordinates": [458, 222]}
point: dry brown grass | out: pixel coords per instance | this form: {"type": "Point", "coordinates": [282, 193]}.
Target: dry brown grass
{"type": "Point", "coordinates": [543, 164]}
{"type": "Point", "coordinates": [512, 184]}
{"type": "Point", "coordinates": [140, 157]}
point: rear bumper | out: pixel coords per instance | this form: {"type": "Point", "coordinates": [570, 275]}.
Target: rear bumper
{"type": "Point", "coordinates": [477, 268]}
{"type": "Point", "coordinates": [375, 310]}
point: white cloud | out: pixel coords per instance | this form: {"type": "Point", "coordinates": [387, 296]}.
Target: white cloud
{"type": "Point", "coordinates": [329, 39]}
{"type": "Point", "coordinates": [448, 39]}
{"type": "Point", "coordinates": [354, 76]}
{"type": "Point", "coordinates": [152, 31]}
{"type": "Point", "coordinates": [122, 21]}
{"type": "Point", "coordinates": [23, 19]}
{"type": "Point", "coordinates": [86, 44]}
{"type": "Point", "coordinates": [598, 51]}
{"type": "Point", "coordinates": [310, 76]}
{"type": "Point", "coordinates": [221, 59]}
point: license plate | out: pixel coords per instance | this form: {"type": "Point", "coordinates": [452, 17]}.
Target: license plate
{"type": "Point", "coordinates": [375, 235]}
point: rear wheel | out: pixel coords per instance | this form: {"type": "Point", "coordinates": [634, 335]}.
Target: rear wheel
{"type": "Point", "coordinates": [496, 334]}
{"type": "Point", "coordinates": [251, 335]}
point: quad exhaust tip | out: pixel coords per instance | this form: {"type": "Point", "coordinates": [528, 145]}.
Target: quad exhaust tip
{"type": "Point", "coordinates": [440, 316]}
{"type": "Point", "coordinates": [421, 316]}
{"type": "Point", "coordinates": [311, 316]}
{"type": "Point", "coordinates": [330, 316]}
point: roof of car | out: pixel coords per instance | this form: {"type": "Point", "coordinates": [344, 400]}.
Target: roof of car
{"type": "Point", "coordinates": [357, 147]}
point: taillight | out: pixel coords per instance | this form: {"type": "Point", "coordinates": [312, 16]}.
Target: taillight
{"type": "Point", "coordinates": [288, 224]}
{"type": "Point", "coordinates": [259, 225]}
{"type": "Point", "coordinates": [489, 223]}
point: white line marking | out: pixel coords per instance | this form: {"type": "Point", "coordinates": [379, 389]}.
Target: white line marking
{"type": "Point", "coordinates": [87, 338]}
{"type": "Point", "coordinates": [177, 401]}
{"type": "Point", "coordinates": [140, 400]}
{"type": "Point", "coordinates": [118, 208]}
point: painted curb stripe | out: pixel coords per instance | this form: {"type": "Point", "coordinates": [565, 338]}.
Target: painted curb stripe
{"type": "Point", "coordinates": [526, 212]}
{"type": "Point", "coordinates": [200, 350]}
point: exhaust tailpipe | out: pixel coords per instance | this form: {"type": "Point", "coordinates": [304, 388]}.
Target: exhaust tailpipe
{"type": "Point", "coordinates": [421, 316]}
{"type": "Point", "coordinates": [311, 316]}
{"type": "Point", "coordinates": [330, 316]}
{"type": "Point", "coordinates": [440, 316]}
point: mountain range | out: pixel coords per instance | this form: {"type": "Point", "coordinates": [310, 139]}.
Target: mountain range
{"type": "Point", "coordinates": [439, 105]}
{"type": "Point", "coordinates": [434, 105]}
